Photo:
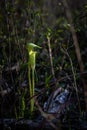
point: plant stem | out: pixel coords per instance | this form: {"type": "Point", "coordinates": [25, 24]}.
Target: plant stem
{"type": "Point", "coordinates": [50, 55]}
{"type": "Point", "coordinates": [77, 48]}
{"type": "Point", "coordinates": [74, 75]}
{"type": "Point", "coordinates": [30, 89]}
{"type": "Point", "coordinates": [32, 81]}
{"type": "Point", "coordinates": [74, 78]}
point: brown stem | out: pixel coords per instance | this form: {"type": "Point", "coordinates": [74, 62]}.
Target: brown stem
{"type": "Point", "coordinates": [50, 55]}
{"type": "Point", "coordinates": [77, 48]}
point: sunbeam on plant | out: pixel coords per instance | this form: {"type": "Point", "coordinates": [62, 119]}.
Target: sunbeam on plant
{"type": "Point", "coordinates": [31, 69]}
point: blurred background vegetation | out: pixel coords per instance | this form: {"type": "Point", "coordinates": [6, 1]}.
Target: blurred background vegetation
{"type": "Point", "coordinates": [23, 21]}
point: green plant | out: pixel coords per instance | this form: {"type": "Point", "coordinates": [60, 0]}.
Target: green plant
{"type": "Point", "coordinates": [22, 104]}
{"type": "Point", "coordinates": [31, 69]}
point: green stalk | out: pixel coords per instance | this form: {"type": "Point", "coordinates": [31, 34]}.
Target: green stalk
{"type": "Point", "coordinates": [33, 84]}
{"type": "Point", "coordinates": [31, 69]}
{"type": "Point", "coordinates": [30, 87]}
{"type": "Point", "coordinates": [33, 87]}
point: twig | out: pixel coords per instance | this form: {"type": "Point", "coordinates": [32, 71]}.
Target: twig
{"type": "Point", "coordinates": [74, 75]}
{"type": "Point", "coordinates": [48, 117]}
{"type": "Point", "coordinates": [76, 44]}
